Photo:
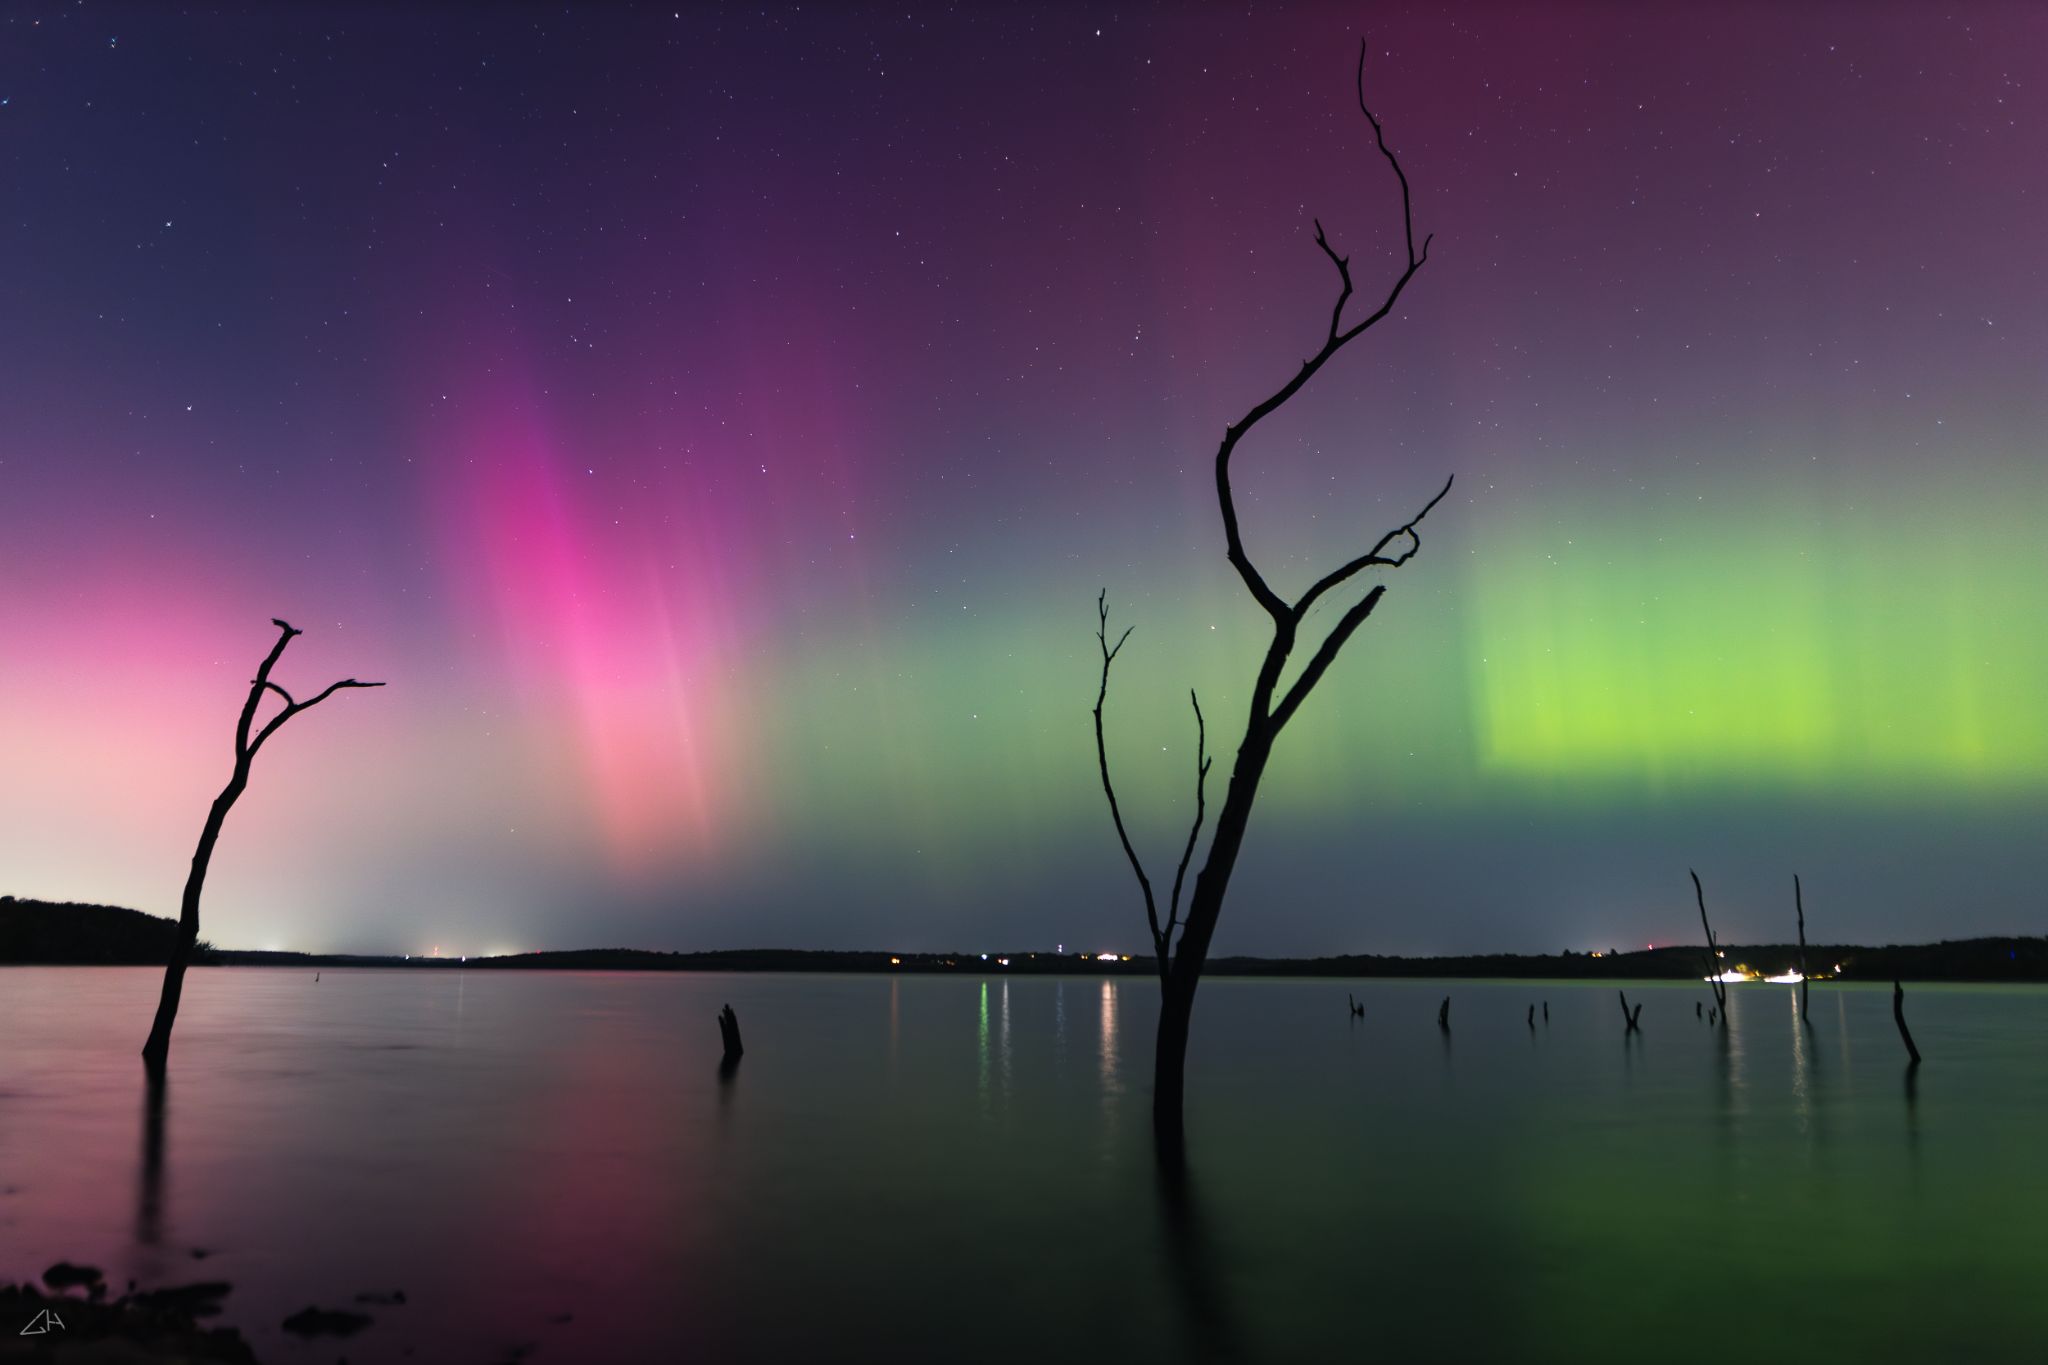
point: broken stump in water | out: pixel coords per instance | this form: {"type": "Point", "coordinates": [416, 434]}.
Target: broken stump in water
{"type": "Point", "coordinates": [1443, 1015]}
{"type": "Point", "coordinates": [1633, 1018]}
{"type": "Point", "coordinates": [729, 1032]}
{"type": "Point", "coordinates": [1899, 1017]}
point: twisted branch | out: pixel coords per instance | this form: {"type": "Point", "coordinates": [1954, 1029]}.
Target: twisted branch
{"type": "Point", "coordinates": [245, 748]}
{"type": "Point", "coordinates": [1109, 653]}
{"type": "Point", "coordinates": [1201, 802]}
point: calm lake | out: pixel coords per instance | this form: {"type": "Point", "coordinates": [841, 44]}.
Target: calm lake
{"type": "Point", "coordinates": [946, 1169]}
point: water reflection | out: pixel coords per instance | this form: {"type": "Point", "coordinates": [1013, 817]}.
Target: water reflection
{"type": "Point", "coordinates": [895, 1020]}
{"type": "Point", "coordinates": [1192, 1266]}
{"type": "Point", "coordinates": [1725, 1083]}
{"type": "Point", "coordinates": [149, 1201]}
{"type": "Point", "coordinates": [1112, 1082]}
{"type": "Point", "coordinates": [981, 1053]}
{"type": "Point", "coordinates": [1059, 1028]}
{"type": "Point", "coordinates": [1003, 1042]}
{"type": "Point", "coordinates": [1111, 1077]}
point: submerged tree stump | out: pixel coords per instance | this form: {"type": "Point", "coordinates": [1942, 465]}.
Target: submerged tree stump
{"type": "Point", "coordinates": [1899, 1018]}
{"type": "Point", "coordinates": [1532, 1018]}
{"type": "Point", "coordinates": [1632, 1018]}
{"type": "Point", "coordinates": [1443, 1015]}
{"type": "Point", "coordinates": [729, 1032]}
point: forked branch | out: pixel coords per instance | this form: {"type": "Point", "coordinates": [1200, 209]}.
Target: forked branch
{"type": "Point", "coordinates": [1335, 339]}
{"type": "Point", "coordinates": [1162, 934]}
{"type": "Point", "coordinates": [1109, 653]}
{"type": "Point", "coordinates": [245, 748]}
{"type": "Point", "coordinates": [1201, 806]}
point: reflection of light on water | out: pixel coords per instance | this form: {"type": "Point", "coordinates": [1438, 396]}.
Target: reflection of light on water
{"type": "Point", "coordinates": [1111, 1084]}
{"type": "Point", "coordinates": [895, 1017]}
{"type": "Point", "coordinates": [1112, 1081]}
{"type": "Point", "coordinates": [1787, 979]}
{"type": "Point", "coordinates": [1802, 1066]}
{"type": "Point", "coordinates": [1003, 1041]}
{"type": "Point", "coordinates": [982, 1084]}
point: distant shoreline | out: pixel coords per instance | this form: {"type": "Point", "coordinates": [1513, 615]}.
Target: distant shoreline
{"type": "Point", "coordinates": [47, 934]}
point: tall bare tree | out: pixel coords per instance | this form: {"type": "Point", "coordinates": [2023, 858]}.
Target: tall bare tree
{"type": "Point", "coordinates": [1714, 964]}
{"type": "Point", "coordinates": [1799, 904]}
{"type": "Point", "coordinates": [1272, 707]}
{"type": "Point", "coordinates": [156, 1052]}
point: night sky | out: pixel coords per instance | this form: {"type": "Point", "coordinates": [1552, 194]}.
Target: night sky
{"type": "Point", "coordinates": [715, 427]}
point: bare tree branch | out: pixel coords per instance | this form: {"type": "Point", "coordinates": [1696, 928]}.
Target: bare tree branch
{"type": "Point", "coordinates": [1380, 136]}
{"type": "Point", "coordinates": [1376, 555]}
{"type": "Point", "coordinates": [281, 717]}
{"type": "Point", "coordinates": [1334, 341]}
{"type": "Point", "coordinates": [1109, 654]}
{"type": "Point", "coordinates": [262, 680]}
{"type": "Point", "coordinates": [1201, 805]}
{"type": "Point", "coordinates": [1326, 654]}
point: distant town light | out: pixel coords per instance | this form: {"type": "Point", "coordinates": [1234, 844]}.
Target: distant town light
{"type": "Point", "coordinates": [895, 962]}
{"type": "Point", "coordinates": [1105, 957]}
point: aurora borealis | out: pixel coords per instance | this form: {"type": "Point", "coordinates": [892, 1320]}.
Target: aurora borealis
{"type": "Point", "coordinates": [715, 425]}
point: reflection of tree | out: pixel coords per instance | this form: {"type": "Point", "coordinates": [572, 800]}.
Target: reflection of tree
{"type": "Point", "coordinates": [150, 1189]}
{"type": "Point", "coordinates": [1204, 1302]}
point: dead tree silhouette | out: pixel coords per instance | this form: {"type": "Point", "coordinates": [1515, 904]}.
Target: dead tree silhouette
{"type": "Point", "coordinates": [1899, 1018]}
{"type": "Point", "coordinates": [1799, 904]}
{"type": "Point", "coordinates": [1713, 956]}
{"type": "Point", "coordinates": [157, 1051]}
{"type": "Point", "coordinates": [1634, 1018]}
{"type": "Point", "coordinates": [1180, 965]}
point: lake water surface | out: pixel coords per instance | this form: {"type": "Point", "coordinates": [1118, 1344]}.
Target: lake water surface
{"type": "Point", "coordinates": [956, 1168]}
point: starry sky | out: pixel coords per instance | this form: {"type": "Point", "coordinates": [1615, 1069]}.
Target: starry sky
{"type": "Point", "coordinates": [715, 425]}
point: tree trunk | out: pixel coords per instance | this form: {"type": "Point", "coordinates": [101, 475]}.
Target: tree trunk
{"type": "Point", "coordinates": [156, 1053]}
{"type": "Point", "coordinates": [1169, 1062]}
{"type": "Point", "coordinates": [1177, 990]}
{"type": "Point", "coordinates": [1799, 903]}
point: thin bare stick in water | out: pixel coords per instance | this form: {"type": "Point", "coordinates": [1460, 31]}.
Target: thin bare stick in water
{"type": "Point", "coordinates": [1713, 951]}
{"type": "Point", "coordinates": [1899, 1018]}
{"type": "Point", "coordinates": [1799, 904]}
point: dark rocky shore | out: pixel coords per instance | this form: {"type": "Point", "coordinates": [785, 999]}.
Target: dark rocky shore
{"type": "Point", "coordinates": [69, 1318]}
